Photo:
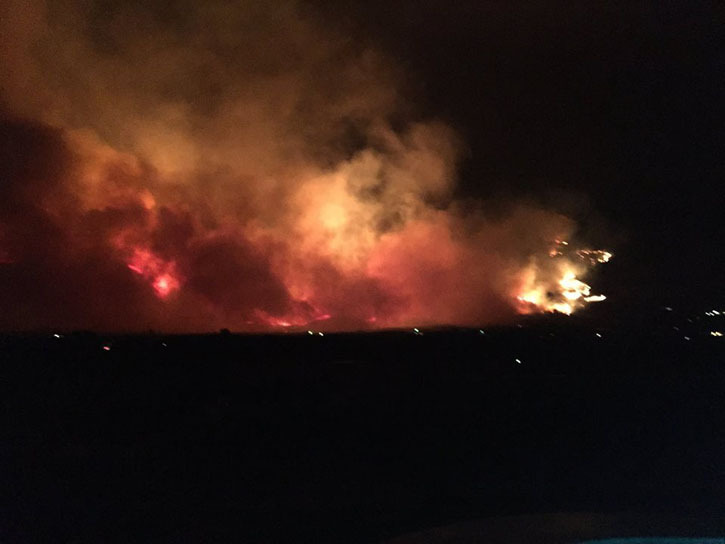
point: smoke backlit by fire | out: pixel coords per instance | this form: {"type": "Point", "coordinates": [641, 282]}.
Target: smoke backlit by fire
{"type": "Point", "coordinates": [189, 175]}
{"type": "Point", "coordinates": [162, 275]}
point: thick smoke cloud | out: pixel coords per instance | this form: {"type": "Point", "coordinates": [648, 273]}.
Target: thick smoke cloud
{"type": "Point", "coordinates": [189, 166]}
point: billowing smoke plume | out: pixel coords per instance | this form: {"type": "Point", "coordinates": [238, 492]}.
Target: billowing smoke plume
{"type": "Point", "coordinates": [196, 165]}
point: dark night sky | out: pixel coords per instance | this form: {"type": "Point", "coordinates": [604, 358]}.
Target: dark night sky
{"type": "Point", "coordinates": [612, 113]}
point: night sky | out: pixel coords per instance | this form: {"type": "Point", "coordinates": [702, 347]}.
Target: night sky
{"type": "Point", "coordinates": [155, 153]}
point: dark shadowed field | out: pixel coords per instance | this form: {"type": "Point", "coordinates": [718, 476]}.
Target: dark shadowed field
{"type": "Point", "coordinates": [352, 438]}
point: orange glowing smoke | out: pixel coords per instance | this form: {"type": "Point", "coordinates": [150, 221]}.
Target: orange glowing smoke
{"type": "Point", "coordinates": [210, 180]}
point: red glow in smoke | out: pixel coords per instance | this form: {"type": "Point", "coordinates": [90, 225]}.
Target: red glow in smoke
{"type": "Point", "coordinates": [297, 318]}
{"type": "Point", "coordinates": [159, 273]}
{"type": "Point", "coordinates": [165, 284]}
{"type": "Point", "coordinates": [296, 200]}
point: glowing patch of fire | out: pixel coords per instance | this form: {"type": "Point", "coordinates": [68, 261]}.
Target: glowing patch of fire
{"type": "Point", "coordinates": [161, 274]}
{"type": "Point", "coordinates": [555, 286]}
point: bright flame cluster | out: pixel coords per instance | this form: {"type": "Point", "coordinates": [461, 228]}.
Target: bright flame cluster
{"type": "Point", "coordinates": [594, 256]}
{"type": "Point", "coordinates": [555, 286]}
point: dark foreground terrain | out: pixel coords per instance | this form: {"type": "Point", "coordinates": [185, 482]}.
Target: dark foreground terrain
{"type": "Point", "coordinates": [352, 438]}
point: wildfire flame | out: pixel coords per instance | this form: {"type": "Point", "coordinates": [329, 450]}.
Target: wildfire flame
{"type": "Point", "coordinates": [243, 186]}
{"type": "Point", "coordinates": [558, 288]}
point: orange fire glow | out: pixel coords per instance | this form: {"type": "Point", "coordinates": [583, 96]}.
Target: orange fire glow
{"type": "Point", "coordinates": [302, 190]}
{"type": "Point", "coordinates": [160, 274]}
{"type": "Point", "coordinates": [557, 287]}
